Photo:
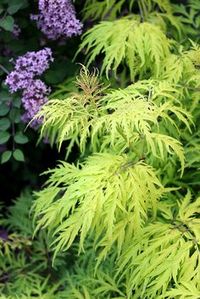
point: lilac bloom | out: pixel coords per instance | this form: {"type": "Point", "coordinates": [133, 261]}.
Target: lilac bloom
{"type": "Point", "coordinates": [57, 19]}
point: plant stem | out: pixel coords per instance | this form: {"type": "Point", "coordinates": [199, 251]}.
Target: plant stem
{"type": "Point", "coordinates": [4, 69]}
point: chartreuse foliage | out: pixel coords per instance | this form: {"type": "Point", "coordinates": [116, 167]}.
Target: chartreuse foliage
{"type": "Point", "coordinates": [114, 201]}
{"type": "Point", "coordinates": [161, 260]}
{"type": "Point", "coordinates": [122, 120]}
{"type": "Point", "coordinates": [189, 16]}
{"type": "Point", "coordinates": [111, 8]}
{"type": "Point", "coordinates": [103, 199]}
{"type": "Point", "coordinates": [139, 41]}
{"type": "Point", "coordinates": [165, 251]}
{"type": "Point", "coordinates": [26, 263]}
{"type": "Point", "coordinates": [141, 46]}
{"type": "Point", "coordinates": [119, 205]}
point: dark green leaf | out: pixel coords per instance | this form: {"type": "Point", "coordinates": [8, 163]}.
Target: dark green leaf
{"type": "Point", "coordinates": [13, 9]}
{"type": "Point", "coordinates": [15, 115]}
{"type": "Point", "coordinates": [17, 102]}
{"type": "Point", "coordinates": [4, 96]}
{"type": "Point", "coordinates": [4, 124]}
{"type": "Point", "coordinates": [15, 5]}
{"type": "Point", "coordinates": [4, 137]}
{"type": "Point", "coordinates": [7, 23]}
{"type": "Point", "coordinates": [18, 155]}
{"type": "Point", "coordinates": [4, 109]}
{"type": "Point", "coordinates": [20, 138]}
{"type": "Point", "coordinates": [5, 157]}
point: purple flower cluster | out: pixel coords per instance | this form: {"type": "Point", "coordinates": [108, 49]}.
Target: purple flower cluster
{"type": "Point", "coordinates": [57, 19]}
{"type": "Point", "coordinates": [35, 62]}
{"type": "Point", "coordinates": [35, 92]}
{"type": "Point", "coordinates": [33, 98]}
{"type": "Point", "coordinates": [27, 67]}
